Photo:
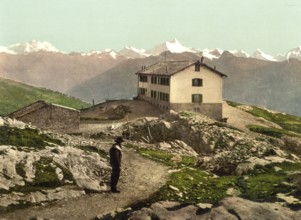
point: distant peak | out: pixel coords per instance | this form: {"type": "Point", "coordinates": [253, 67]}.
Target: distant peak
{"type": "Point", "coordinates": [260, 55]}
{"type": "Point", "coordinates": [174, 41]}
{"type": "Point", "coordinates": [29, 47]}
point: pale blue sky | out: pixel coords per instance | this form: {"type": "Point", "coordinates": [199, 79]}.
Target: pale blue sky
{"type": "Point", "coordinates": [85, 25]}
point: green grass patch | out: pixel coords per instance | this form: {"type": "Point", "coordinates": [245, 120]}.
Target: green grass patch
{"type": "Point", "coordinates": [15, 95]}
{"type": "Point", "coordinates": [188, 160]}
{"type": "Point", "coordinates": [159, 156]}
{"type": "Point", "coordinates": [286, 121]}
{"type": "Point", "coordinates": [187, 114]}
{"type": "Point", "coordinates": [233, 104]}
{"type": "Point", "coordinates": [194, 186]}
{"type": "Point", "coordinates": [164, 157]}
{"type": "Point", "coordinates": [94, 149]}
{"type": "Point", "coordinates": [45, 175]}
{"type": "Point", "coordinates": [265, 182]}
{"type": "Point", "coordinates": [26, 138]}
{"type": "Point", "coordinates": [273, 132]}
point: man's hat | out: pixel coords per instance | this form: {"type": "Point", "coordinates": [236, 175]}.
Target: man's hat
{"type": "Point", "coordinates": [119, 140]}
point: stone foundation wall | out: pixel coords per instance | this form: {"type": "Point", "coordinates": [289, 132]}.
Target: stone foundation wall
{"type": "Point", "coordinates": [212, 110]}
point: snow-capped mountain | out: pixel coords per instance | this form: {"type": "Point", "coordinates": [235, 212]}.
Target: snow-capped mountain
{"type": "Point", "coordinates": [101, 54]}
{"type": "Point", "coordinates": [294, 53]}
{"type": "Point", "coordinates": [239, 53]}
{"type": "Point", "coordinates": [260, 55]}
{"type": "Point", "coordinates": [173, 46]}
{"type": "Point", "coordinates": [132, 52]}
{"type": "Point", "coordinates": [212, 54]}
{"type": "Point", "coordinates": [29, 47]}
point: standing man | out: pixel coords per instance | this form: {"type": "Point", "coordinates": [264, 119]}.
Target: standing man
{"type": "Point", "coordinates": [115, 161]}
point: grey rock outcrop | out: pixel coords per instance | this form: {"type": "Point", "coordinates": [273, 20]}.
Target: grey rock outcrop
{"type": "Point", "coordinates": [232, 208]}
{"type": "Point", "coordinates": [221, 147]}
{"type": "Point", "coordinates": [52, 166]}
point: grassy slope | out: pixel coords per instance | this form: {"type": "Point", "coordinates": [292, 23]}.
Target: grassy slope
{"type": "Point", "coordinates": [286, 121]}
{"type": "Point", "coordinates": [15, 95]}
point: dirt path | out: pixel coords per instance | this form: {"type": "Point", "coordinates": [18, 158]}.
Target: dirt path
{"type": "Point", "coordinates": [240, 119]}
{"type": "Point", "coordinates": [140, 178]}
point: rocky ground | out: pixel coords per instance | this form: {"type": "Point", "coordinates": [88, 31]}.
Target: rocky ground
{"type": "Point", "coordinates": [201, 168]}
{"type": "Point", "coordinates": [232, 208]}
{"type": "Point", "coordinates": [140, 178]}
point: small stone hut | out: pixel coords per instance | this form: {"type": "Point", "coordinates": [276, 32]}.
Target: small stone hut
{"type": "Point", "coordinates": [49, 116]}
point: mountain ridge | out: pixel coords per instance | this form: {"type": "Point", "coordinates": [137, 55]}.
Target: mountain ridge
{"type": "Point", "coordinates": [130, 52]}
{"type": "Point", "coordinates": [101, 76]}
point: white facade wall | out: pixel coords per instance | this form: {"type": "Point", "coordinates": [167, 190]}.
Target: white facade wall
{"type": "Point", "coordinates": [181, 88]}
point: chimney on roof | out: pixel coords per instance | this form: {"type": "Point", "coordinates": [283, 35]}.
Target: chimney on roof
{"type": "Point", "coordinates": [202, 59]}
{"type": "Point", "coordinates": [214, 67]}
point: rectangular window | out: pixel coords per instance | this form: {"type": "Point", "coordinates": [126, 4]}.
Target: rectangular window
{"type": "Point", "coordinates": [197, 98]}
{"type": "Point", "coordinates": [142, 91]}
{"type": "Point", "coordinates": [197, 82]}
{"type": "Point", "coordinates": [154, 80]}
{"type": "Point", "coordinates": [163, 96]}
{"type": "Point", "coordinates": [143, 78]}
{"type": "Point", "coordinates": [163, 81]}
{"type": "Point", "coordinates": [153, 94]}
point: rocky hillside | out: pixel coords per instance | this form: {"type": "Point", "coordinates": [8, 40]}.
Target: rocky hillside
{"type": "Point", "coordinates": [214, 169]}
{"type": "Point", "coordinates": [39, 167]}
{"type": "Point", "coordinates": [229, 163]}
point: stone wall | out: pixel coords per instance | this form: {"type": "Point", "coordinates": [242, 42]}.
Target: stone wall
{"type": "Point", "coordinates": [212, 110]}
{"type": "Point", "coordinates": [55, 118]}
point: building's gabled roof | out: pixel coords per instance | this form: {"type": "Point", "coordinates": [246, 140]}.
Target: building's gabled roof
{"type": "Point", "coordinates": [34, 107]}
{"type": "Point", "coordinates": [168, 68]}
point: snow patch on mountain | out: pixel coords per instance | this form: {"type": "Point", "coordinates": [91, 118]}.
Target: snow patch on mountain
{"type": "Point", "coordinates": [100, 54]}
{"type": "Point", "coordinates": [239, 53]}
{"type": "Point", "coordinates": [132, 52]}
{"type": "Point", "coordinates": [294, 53]}
{"type": "Point", "coordinates": [212, 54]}
{"type": "Point", "coordinates": [260, 55]}
{"type": "Point", "coordinates": [173, 46]}
{"type": "Point", "coordinates": [29, 47]}
{"type": "Point", "coordinates": [280, 57]}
